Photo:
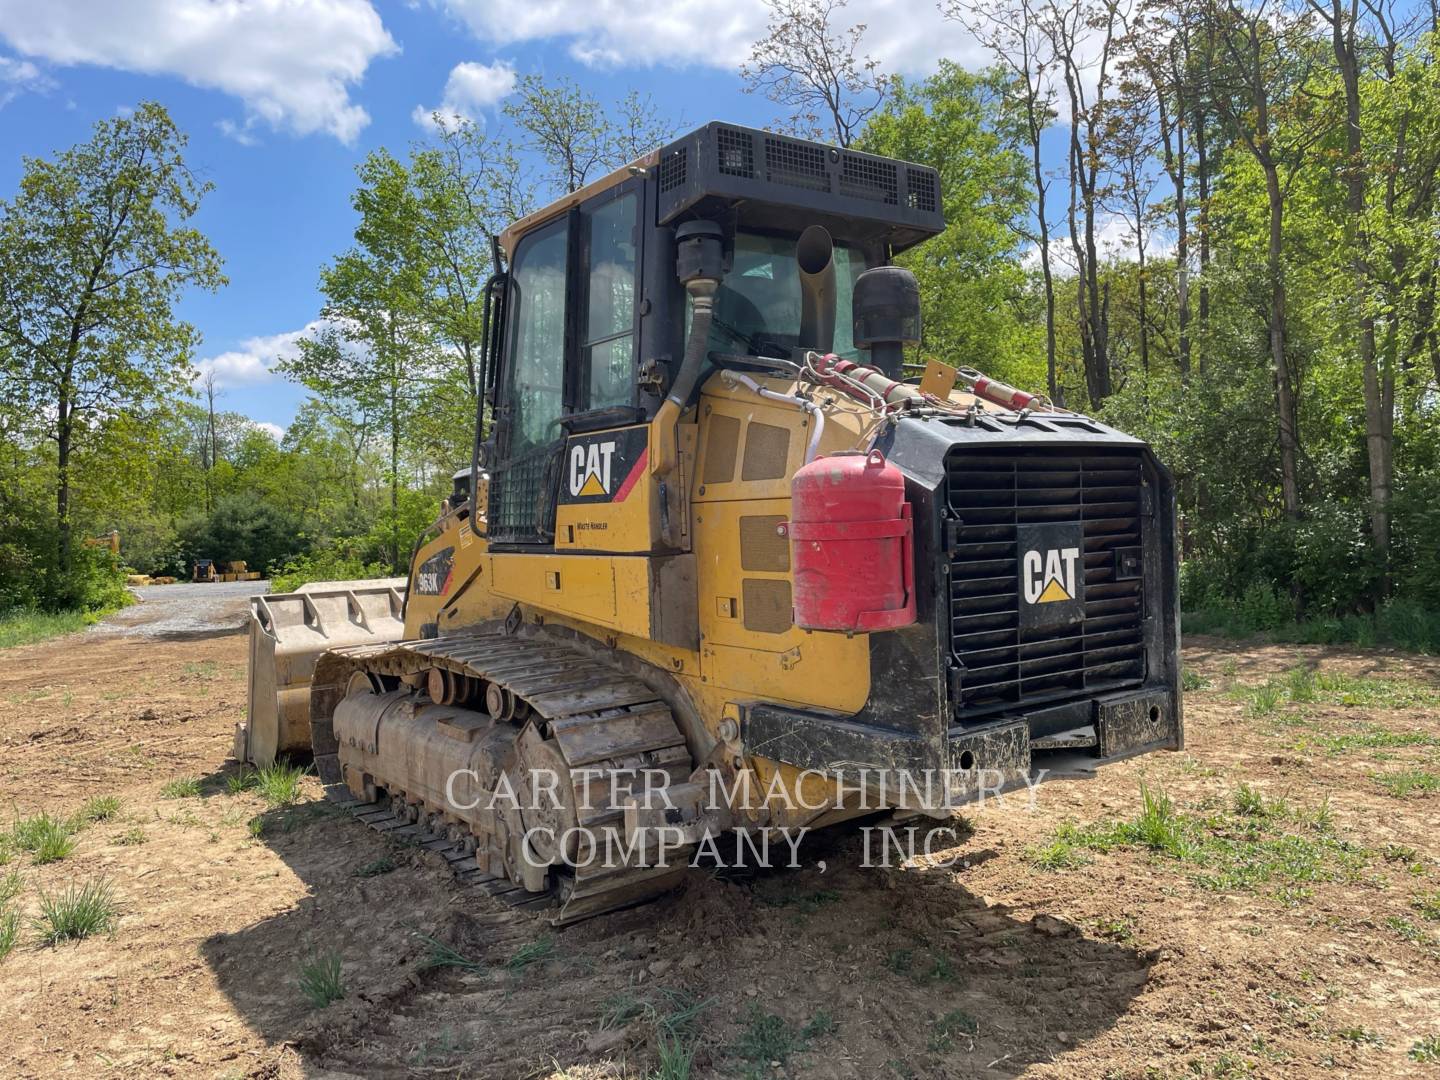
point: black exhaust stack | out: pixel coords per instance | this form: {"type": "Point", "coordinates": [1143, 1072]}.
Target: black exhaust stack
{"type": "Point", "coordinates": [814, 256]}
{"type": "Point", "coordinates": [886, 308]}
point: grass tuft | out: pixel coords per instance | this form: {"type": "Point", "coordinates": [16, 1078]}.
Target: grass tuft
{"type": "Point", "coordinates": [182, 787]}
{"type": "Point", "coordinates": [100, 808]}
{"type": "Point", "coordinates": [383, 865]}
{"type": "Point", "coordinates": [442, 956]}
{"type": "Point", "coordinates": [9, 930]}
{"type": "Point", "coordinates": [321, 979]}
{"type": "Point", "coordinates": [11, 886]}
{"type": "Point", "coordinates": [132, 837]}
{"type": "Point", "coordinates": [79, 911]}
{"type": "Point", "coordinates": [1426, 1050]}
{"type": "Point", "coordinates": [242, 781]}
{"type": "Point", "coordinates": [531, 952]}
{"type": "Point", "coordinates": [1428, 905]}
{"type": "Point", "coordinates": [279, 783]}
{"type": "Point", "coordinates": [1408, 782]}
{"type": "Point", "coordinates": [45, 838]}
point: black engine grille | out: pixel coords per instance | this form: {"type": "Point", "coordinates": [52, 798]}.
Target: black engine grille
{"type": "Point", "coordinates": [1004, 666]}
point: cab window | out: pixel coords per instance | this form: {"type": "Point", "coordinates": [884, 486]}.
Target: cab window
{"type": "Point", "coordinates": [608, 334]}
{"type": "Point", "coordinates": [535, 389]}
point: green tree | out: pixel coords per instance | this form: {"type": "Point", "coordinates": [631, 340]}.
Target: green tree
{"type": "Point", "coordinates": [95, 250]}
{"type": "Point", "coordinates": [978, 309]}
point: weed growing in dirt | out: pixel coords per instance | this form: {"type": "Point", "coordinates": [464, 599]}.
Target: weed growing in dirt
{"type": "Point", "coordinates": [932, 968]}
{"type": "Point", "coordinates": [132, 837]}
{"type": "Point", "coordinates": [279, 783]}
{"type": "Point", "coordinates": [238, 782]}
{"type": "Point", "coordinates": [619, 1010]}
{"type": "Point", "coordinates": [100, 808]}
{"type": "Point", "coordinates": [11, 886]}
{"type": "Point", "coordinates": [1240, 851]}
{"type": "Point", "coordinates": [944, 1030]}
{"type": "Point", "coordinates": [1359, 1036]}
{"type": "Point", "coordinates": [375, 867]}
{"type": "Point", "coordinates": [443, 956]}
{"type": "Point", "coordinates": [182, 787]}
{"type": "Point", "coordinates": [1427, 1050]}
{"type": "Point", "coordinates": [1428, 905]}
{"type": "Point", "coordinates": [768, 1038]}
{"type": "Point", "coordinates": [1192, 680]}
{"type": "Point", "coordinates": [1408, 782]}
{"type": "Point", "coordinates": [79, 911]}
{"type": "Point", "coordinates": [1059, 854]}
{"type": "Point", "coordinates": [9, 930]}
{"type": "Point", "coordinates": [321, 979]}
{"type": "Point", "coordinates": [45, 838]}
{"type": "Point", "coordinates": [531, 952]}
{"type": "Point", "coordinates": [1408, 931]}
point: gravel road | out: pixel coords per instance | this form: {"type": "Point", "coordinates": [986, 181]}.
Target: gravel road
{"type": "Point", "coordinates": [185, 610]}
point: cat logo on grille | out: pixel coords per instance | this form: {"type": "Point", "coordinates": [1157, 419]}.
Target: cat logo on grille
{"type": "Point", "coordinates": [1050, 575]}
{"type": "Point", "coordinates": [1051, 560]}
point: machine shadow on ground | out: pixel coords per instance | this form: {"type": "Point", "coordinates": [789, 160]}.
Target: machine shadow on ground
{"type": "Point", "coordinates": [833, 972]}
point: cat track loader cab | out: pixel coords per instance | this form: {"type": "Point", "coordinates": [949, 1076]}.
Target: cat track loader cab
{"type": "Point", "coordinates": [713, 536]}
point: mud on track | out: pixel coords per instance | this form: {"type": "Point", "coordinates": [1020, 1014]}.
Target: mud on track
{"type": "Point", "coordinates": [1300, 957]}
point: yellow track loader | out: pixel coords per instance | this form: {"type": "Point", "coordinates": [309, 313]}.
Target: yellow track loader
{"type": "Point", "coordinates": [718, 565]}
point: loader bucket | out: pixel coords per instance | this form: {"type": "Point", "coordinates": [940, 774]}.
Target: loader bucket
{"type": "Point", "coordinates": [288, 632]}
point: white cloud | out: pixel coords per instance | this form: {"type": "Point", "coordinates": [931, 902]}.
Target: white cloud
{"type": "Point", "coordinates": [292, 62]}
{"type": "Point", "coordinates": [470, 89]}
{"type": "Point", "coordinates": [18, 77]}
{"type": "Point", "coordinates": [905, 36]}
{"type": "Point", "coordinates": [275, 431]}
{"type": "Point", "coordinates": [254, 361]}
{"type": "Point", "coordinates": [1114, 239]}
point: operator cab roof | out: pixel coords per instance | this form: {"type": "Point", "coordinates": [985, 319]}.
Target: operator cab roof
{"type": "Point", "coordinates": [775, 182]}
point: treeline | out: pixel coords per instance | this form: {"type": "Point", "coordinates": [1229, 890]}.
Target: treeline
{"type": "Point", "coordinates": [1212, 224]}
{"type": "Point", "coordinates": [1233, 254]}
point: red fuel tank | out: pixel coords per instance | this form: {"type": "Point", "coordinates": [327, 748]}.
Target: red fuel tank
{"type": "Point", "coordinates": [851, 544]}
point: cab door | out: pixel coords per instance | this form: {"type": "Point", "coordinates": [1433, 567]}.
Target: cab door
{"type": "Point", "coordinates": [569, 355]}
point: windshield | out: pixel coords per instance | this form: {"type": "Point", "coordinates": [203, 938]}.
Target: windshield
{"type": "Point", "coordinates": [758, 303]}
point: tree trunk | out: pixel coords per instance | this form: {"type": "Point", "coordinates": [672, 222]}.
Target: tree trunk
{"type": "Point", "coordinates": [1202, 184]}
{"type": "Point", "coordinates": [1034, 125]}
{"type": "Point", "coordinates": [65, 419]}
{"type": "Point", "coordinates": [1284, 387]}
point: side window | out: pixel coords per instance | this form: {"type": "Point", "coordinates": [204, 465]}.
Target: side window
{"type": "Point", "coordinates": [608, 334]}
{"type": "Point", "coordinates": [536, 384]}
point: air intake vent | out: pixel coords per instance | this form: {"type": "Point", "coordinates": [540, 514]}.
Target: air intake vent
{"type": "Point", "coordinates": [867, 178]}
{"type": "Point", "coordinates": [673, 169]}
{"type": "Point", "coordinates": [1006, 662]}
{"type": "Point", "coordinates": [736, 153]}
{"type": "Point", "coordinates": [796, 164]}
{"type": "Point", "coordinates": [920, 190]}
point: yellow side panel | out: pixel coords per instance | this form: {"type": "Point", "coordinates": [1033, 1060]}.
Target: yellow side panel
{"type": "Point", "coordinates": [609, 592]}
{"type": "Point", "coordinates": [749, 642]}
{"type": "Point", "coordinates": [608, 498]}
{"type": "Point", "coordinates": [454, 560]}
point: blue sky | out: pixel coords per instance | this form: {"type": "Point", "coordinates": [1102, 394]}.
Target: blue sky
{"type": "Point", "coordinates": [282, 98]}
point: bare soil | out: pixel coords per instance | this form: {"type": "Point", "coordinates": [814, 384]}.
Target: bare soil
{"type": "Point", "coordinates": [1129, 966]}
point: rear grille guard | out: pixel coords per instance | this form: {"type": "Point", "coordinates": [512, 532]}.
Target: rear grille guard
{"type": "Point", "coordinates": [1001, 667]}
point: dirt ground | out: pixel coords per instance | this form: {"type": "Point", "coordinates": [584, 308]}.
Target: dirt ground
{"type": "Point", "coordinates": [1096, 959]}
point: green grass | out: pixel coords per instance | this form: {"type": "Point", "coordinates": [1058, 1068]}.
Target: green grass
{"type": "Point", "coordinates": [182, 787]}
{"type": "Point", "coordinates": [279, 783]}
{"type": "Point", "coordinates": [1408, 782]}
{"type": "Point", "coordinates": [32, 627]}
{"type": "Point", "coordinates": [11, 886]}
{"type": "Point", "coordinates": [383, 865]}
{"type": "Point", "coordinates": [46, 839]}
{"type": "Point", "coordinates": [1059, 854]}
{"type": "Point", "coordinates": [322, 981]}
{"type": "Point", "coordinates": [1408, 931]}
{"type": "Point", "coordinates": [242, 781]}
{"type": "Point", "coordinates": [1191, 680]}
{"type": "Point", "coordinates": [9, 930]}
{"type": "Point", "coordinates": [1260, 843]}
{"type": "Point", "coordinates": [1428, 905]}
{"type": "Point", "coordinates": [100, 808]}
{"type": "Point", "coordinates": [444, 956]}
{"type": "Point", "coordinates": [932, 967]}
{"type": "Point", "coordinates": [79, 911]}
{"type": "Point", "coordinates": [1426, 1050]}
{"type": "Point", "coordinates": [767, 1038]}
{"type": "Point", "coordinates": [132, 837]}
{"type": "Point", "coordinates": [531, 952]}
{"type": "Point", "coordinates": [1303, 686]}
